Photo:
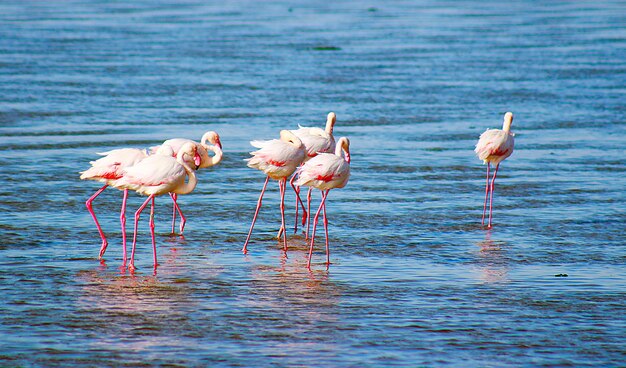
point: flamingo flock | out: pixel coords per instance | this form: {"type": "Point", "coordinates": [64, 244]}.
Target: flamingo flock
{"type": "Point", "coordinates": [307, 156]}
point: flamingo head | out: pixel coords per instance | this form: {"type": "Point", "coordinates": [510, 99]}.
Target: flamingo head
{"type": "Point", "coordinates": [330, 122]}
{"type": "Point", "coordinates": [213, 138]}
{"type": "Point", "coordinates": [287, 136]}
{"type": "Point", "coordinates": [343, 145]}
{"type": "Point", "coordinates": [188, 153]}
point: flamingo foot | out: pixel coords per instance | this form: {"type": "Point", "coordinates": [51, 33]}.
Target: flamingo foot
{"type": "Point", "coordinates": [103, 248]}
{"type": "Point", "coordinates": [280, 233]}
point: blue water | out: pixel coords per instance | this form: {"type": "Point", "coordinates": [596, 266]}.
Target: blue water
{"type": "Point", "coordinates": [415, 280]}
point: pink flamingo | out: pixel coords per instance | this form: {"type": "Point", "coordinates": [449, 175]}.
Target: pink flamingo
{"type": "Point", "coordinates": [493, 146]}
{"type": "Point", "coordinates": [315, 140]}
{"type": "Point", "coordinates": [205, 161]}
{"type": "Point", "coordinates": [326, 171]}
{"type": "Point", "coordinates": [108, 170]}
{"type": "Point", "coordinates": [278, 159]}
{"type": "Point", "coordinates": [157, 175]}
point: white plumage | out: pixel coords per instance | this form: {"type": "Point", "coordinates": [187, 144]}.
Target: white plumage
{"type": "Point", "coordinates": [277, 158]}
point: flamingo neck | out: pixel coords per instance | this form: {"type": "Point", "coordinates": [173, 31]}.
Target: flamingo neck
{"type": "Point", "coordinates": [216, 158]}
{"type": "Point", "coordinates": [341, 146]}
{"type": "Point", "coordinates": [330, 123]}
{"type": "Point", "coordinates": [190, 185]}
{"type": "Point", "coordinates": [508, 120]}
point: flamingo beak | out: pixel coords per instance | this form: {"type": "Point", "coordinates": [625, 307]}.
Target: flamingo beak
{"type": "Point", "coordinates": [347, 157]}
{"type": "Point", "coordinates": [197, 159]}
{"type": "Point", "coordinates": [218, 143]}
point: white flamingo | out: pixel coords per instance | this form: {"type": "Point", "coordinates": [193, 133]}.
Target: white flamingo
{"type": "Point", "coordinates": [278, 159]}
{"type": "Point", "coordinates": [315, 140]}
{"type": "Point", "coordinates": [157, 175]}
{"type": "Point", "coordinates": [493, 147]}
{"type": "Point", "coordinates": [326, 171]}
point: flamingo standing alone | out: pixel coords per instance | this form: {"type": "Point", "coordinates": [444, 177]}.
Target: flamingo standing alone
{"type": "Point", "coordinates": [315, 140]}
{"type": "Point", "coordinates": [205, 161]}
{"type": "Point", "coordinates": [157, 175]}
{"type": "Point", "coordinates": [326, 171]}
{"type": "Point", "coordinates": [108, 170]}
{"type": "Point", "coordinates": [278, 159]}
{"type": "Point", "coordinates": [493, 146]}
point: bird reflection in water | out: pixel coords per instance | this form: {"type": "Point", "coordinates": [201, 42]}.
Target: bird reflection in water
{"type": "Point", "coordinates": [492, 260]}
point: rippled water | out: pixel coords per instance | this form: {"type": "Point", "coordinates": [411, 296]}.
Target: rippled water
{"type": "Point", "coordinates": [414, 279]}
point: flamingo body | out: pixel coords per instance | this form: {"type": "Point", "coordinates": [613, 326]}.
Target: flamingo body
{"type": "Point", "coordinates": [157, 174]}
{"type": "Point", "coordinates": [315, 140]}
{"type": "Point", "coordinates": [111, 167]}
{"type": "Point", "coordinates": [325, 171]}
{"type": "Point", "coordinates": [494, 146]}
{"type": "Point", "coordinates": [277, 158]}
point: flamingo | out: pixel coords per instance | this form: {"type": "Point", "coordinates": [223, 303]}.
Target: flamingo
{"type": "Point", "coordinates": [493, 147]}
{"type": "Point", "coordinates": [157, 175]}
{"type": "Point", "coordinates": [108, 170]}
{"type": "Point", "coordinates": [326, 171]}
{"type": "Point", "coordinates": [315, 140]}
{"type": "Point", "coordinates": [278, 159]}
{"type": "Point", "coordinates": [205, 161]}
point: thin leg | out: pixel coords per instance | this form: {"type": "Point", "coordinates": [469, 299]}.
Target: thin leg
{"type": "Point", "coordinates": [493, 183]}
{"type": "Point", "coordinates": [183, 219]}
{"type": "Point", "coordinates": [298, 202]}
{"type": "Point", "coordinates": [104, 245]}
{"type": "Point", "coordinates": [282, 185]}
{"type": "Point", "coordinates": [317, 215]}
{"type": "Point", "coordinates": [131, 264]}
{"type": "Point", "coordinates": [123, 222]}
{"type": "Point", "coordinates": [256, 213]}
{"type": "Point", "coordinates": [297, 191]}
{"type": "Point", "coordinates": [154, 251]}
{"type": "Point", "coordinates": [486, 195]}
{"type": "Point", "coordinates": [308, 204]}
{"type": "Point", "coordinates": [174, 196]}
{"type": "Point", "coordinates": [326, 233]}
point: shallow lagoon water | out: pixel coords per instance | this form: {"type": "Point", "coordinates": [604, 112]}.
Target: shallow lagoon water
{"type": "Point", "coordinates": [415, 280]}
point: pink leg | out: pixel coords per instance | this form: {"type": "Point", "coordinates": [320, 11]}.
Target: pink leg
{"type": "Point", "coordinates": [326, 233]}
{"type": "Point", "coordinates": [282, 185]}
{"type": "Point", "coordinates": [123, 222]}
{"type": "Point", "coordinates": [183, 219]}
{"type": "Point", "coordinates": [297, 190]}
{"type": "Point", "coordinates": [317, 215]}
{"type": "Point", "coordinates": [308, 204]}
{"type": "Point", "coordinates": [174, 196]}
{"type": "Point", "coordinates": [154, 251]}
{"type": "Point", "coordinates": [104, 245]}
{"type": "Point", "coordinates": [131, 264]}
{"type": "Point", "coordinates": [486, 195]}
{"type": "Point", "coordinates": [493, 182]}
{"type": "Point", "coordinates": [298, 202]}
{"type": "Point", "coordinates": [256, 213]}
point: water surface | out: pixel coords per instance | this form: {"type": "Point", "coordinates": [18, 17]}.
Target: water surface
{"type": "Point", "coordinates": [415, 280]}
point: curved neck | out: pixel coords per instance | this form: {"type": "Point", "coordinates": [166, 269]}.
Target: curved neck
{"type": "Point", "coordinates": [508, 120]}
{"type": "Point", "coordinates": [191, 183]}
{"type": "Point", "coordinates": [216, 158]}
{"type": "Point", "coordinates": [341, 146]}
{"type": "Point", "coordinates": [330, 122]}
